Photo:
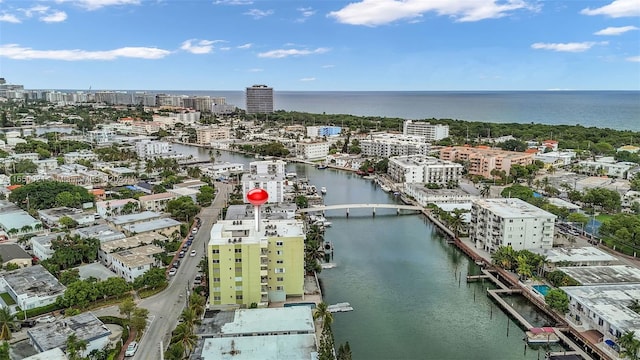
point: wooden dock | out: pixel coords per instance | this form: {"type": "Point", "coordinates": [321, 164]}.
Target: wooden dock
{"type": "Point", "coordinates": [495, 294]}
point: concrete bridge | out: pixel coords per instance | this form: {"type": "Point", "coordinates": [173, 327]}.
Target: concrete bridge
{"type": "Point", "coordinates": [323, 208]}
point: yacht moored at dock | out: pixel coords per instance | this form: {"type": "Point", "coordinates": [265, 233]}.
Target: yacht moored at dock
{"type": "Point", "coordinates": [323, 190]}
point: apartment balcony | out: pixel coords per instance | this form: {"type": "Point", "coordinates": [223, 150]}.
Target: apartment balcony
{"type": "Point", "coordinates": [263, 279]}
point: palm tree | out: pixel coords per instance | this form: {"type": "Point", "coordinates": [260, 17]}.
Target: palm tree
{"type": "Point", "coordinates": [38, 226]}
{"type": "Point", "coordinates": [175, 352]}
{"type": "Point", "coordinates": [189, 317]}
{"type": "Point", "coordinates": [486, 189]}
{"type": "Point", "coordinates": [456, 222]}
{"type": "Point", "coordinates": [322, 312]}
{"type": "Point", "coordinates": [7, 321]}
{"type": "Point", "coordinates": [75, 347]}
{"type": "Point", "coordinates": [26, 228]}
{"type": "Point", "coordinates": [183, 334]}
{"type": "Point", "coordinates": [630, 344]}
{"type": "Point", "coordinates": [197, 302]}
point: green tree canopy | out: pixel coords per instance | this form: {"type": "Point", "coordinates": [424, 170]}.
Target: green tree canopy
{"type": "Point", "coordinates": [43, 194]}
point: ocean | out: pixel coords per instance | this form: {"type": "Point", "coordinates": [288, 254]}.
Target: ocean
{"type": "Point", "coordinates": [618, 110]}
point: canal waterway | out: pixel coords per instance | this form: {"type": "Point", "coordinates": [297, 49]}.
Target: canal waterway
{"type": "Point", "coordinates": [406, 284]}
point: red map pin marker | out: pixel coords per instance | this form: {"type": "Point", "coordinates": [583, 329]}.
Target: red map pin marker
{"type": "Point", "coordinates": [257, 196]}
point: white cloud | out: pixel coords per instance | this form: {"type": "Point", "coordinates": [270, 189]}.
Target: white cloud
{"type": "Point", "coordinates": [9, 18]}
{"type": "Point", "coordinates": [282, 53]}
{"type": "Point", "coordinates": [308, 79]}
{"type": "Point", "coordinates": [618, 8]}
{"type": "Point", "coordinates": [256, 70]}
{"type": "Point", "coordinates": [201, 47]}
{"type": "Point", "coordinates": [233, 2]}
{"type": "Point", "coordinates": [615, 30]}
{"type": "Point", "coordinates": [380, 12]}
{"type": "Point", "coordinates": [633, 59]}
{"type": "Point", "coordinates": [45, 13]}
{"type": "Point", "coordinates": [329, 66]}
{"type": "Point", "coordinates": [36, 9]}
{"type": "Point", "coordinates": [57, 16]}
{"type": "Point", "coordinates": [97, 4]}
{"type": "Point", "coordinates": [17, 52]}
{"type": "Point", "coordinates": [306, 13]}
{"type": "Point", "coordinates": [258, 14]}
{"type": "Point", "coordinates": [226, 48]}
{"type": "Point", "coordinates": [245, 46]}
{"type": "Point", "coordinates": [567, 47]}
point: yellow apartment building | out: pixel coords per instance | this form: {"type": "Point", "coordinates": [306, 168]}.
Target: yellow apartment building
{"type": "Point", "coordinates": [249, 266]}
{"type": "Point", "coordinates": [481, 160]}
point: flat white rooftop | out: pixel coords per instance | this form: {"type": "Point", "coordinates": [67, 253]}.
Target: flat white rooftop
{"type": "Point", "coordinates": [226, 230]}
{"type": "Point", "coordinates": [577, 255]}
{"type": "Point", "coordinates": [298, 319]}
{"type": "Point", "coordinates": [273, 347]}
{"type": "Point", "coordinates": [610, 302]}
{"type": "Point", "coordinates": [513, 208]}
{"type": "Point", "coordinates": [614, 274]}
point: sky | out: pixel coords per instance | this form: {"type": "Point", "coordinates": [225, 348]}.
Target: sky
{"type": "Point", "coordinates": [321, 45]}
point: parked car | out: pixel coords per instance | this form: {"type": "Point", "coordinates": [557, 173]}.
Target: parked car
{"type": "Point", "coordinates": [176, 264]}
{"type": "Point", "coordinates": [197, 280]}
{"type": "Point", "coordinates": [189, 242]}
{"type": "Point", "coordinates": [193, 253]}
{"type": "Point", "coordinates": [195, 230]}
{"type": "Point", "coordinates": [181, 255]}
{"type": "Point", "coordinates": [185, 247]}
{"type": "Point", "coordinates": [46, 319]}
{"type": "Point", "coordinates": [173, 271]}
{"type": "Point", "coordinates": [131, 349]}
{"type": "Point", "coordinates": [190, 237]}
{"type": "Point", "coordinates": [28, 323]}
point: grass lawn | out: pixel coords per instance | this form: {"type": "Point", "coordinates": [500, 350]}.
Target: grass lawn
{"type": "Point", "coordinates": [603, 217]}
{"type": "Point", "coordinates": [7, 299]}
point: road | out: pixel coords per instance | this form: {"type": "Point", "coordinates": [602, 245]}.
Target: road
{"type": "Point", "coordinates": [165, 307]}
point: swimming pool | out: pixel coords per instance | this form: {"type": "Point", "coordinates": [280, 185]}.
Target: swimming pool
{"type": "Point", "coordinates": [541, 289]}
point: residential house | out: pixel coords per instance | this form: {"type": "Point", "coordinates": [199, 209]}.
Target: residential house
{"type": "Point", "coordinates": [119, 222]}
{"type": "Point", "coordinates": [31, 287]}
{"type": "Point", "coordinates": [163, 226]}
{"type": "Point", "coordinates": [14, 254]}
{"type": "Point", "coordinates": [156, 202]}
{"type": "Point", "coordinates": [51, 217]}
{"type": "Point", "coordinates": [85, 326]}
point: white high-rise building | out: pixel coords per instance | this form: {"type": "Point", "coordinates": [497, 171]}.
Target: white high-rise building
{"type": "Point", "coordinates": [387, 145]}
{"type": "Point", "coordinates": [273, 184]}
{"type": "Point", "coordinates": [312, 150]}
{"type": "Point", "coordinates": [268, 167]}
{"type": "Point", "coordinates": [149, 149]}
{"type": "Point", "coordinates": [432, 132]}
{"type": "Point", "coordinates": [510, 222]}
{"type": "Point", "coordinates": [423, 169]}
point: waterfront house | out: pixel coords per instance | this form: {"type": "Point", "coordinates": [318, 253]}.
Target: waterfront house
{"type": "Point", "coordinates": [274, 333]}
{"type": "Point", "coordinates": [603, 311]}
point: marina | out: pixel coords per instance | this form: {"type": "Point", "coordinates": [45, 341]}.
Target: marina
{"type": "Point", "coordinates": [404, 265]}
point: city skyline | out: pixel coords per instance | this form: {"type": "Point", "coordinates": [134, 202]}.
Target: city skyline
{"type": "Point", "coordinates": [378, 45]}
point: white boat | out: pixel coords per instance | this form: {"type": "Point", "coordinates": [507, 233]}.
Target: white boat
{"type": "Point", "coordinates": [385, 188]}
{"type": "Point", "coordinates": [340, 307]}
{"type": "Point", "coordinates": [323, 190]}
{"type": "Point", "coordinates": [326, 223]}
{"type": "Point", "coordinates": [328, 265]}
